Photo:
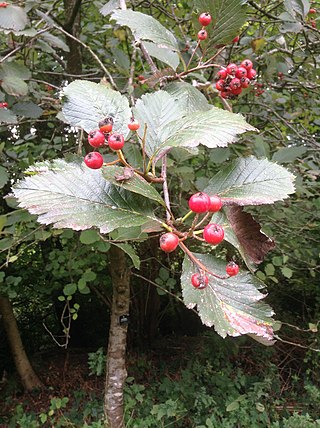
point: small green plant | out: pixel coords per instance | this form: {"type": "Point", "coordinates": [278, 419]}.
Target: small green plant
{"type": "Point", "coordinates": [97, 362]}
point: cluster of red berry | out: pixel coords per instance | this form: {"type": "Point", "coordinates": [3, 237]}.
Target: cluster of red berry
{"type": "Point", "coordinates": [104, 136]}
{"type": "Point", "coordinates": [233, 78]}
{"type": "Point", "coordinates": [312, 12]}
{"type": "Point", "coordinates": [213, 233]}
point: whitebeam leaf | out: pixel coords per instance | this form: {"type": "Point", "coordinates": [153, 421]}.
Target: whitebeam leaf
{"type": "Point", "coordinates": [86, 103]}
{"type": "Point", "coordinates": [163, 54]}
{"type": "Point", "coordinates": [251, 181]}
{"type": "Point", "coordinates": [70, 195]}
{"type": "Point", "coordinates": [13, 18]}
{"type": "Point", "coordinates": [192, 98]}
{"type": "Point", "coordinates": [145, 27]}
{"type": "Point", "coordinates": [231, 305]}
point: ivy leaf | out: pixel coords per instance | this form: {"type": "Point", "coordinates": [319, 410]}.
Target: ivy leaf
{"type": "Point", "coordinates": [212, 128]}
{"type": "Point", "coordinates": [87, 103]}
{"type": "Point", "coordinates": [231, 305]}
{"type": "Point", "coordinates": [70, 195]}
{"type": "Point", "coordinates": [145, 27]}
{"type": "Point", "coordinates": [228, 16]}
{"type": "Point", "coordinates": [192, 99]}
{"type": "Point", "coordinates": [13, 18]}
{"type": "Point", "coordinates": [163, 54]}
{"type": "Point", "coordinates": [251, 181]}
{"type": "Point", "coordinates": [134, 182]}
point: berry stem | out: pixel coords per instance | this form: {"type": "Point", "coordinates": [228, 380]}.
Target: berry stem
{"type": "Point", "coordinates": [203, 220]}
{"type": "Point", "coordinates": [193, 53]}
{"type": "Point", "coordinates": [143, 145]}
{"type": "Point", "coordinates": [166, 190]}
{"type": "Point", "coordinates": [122, 159]}
{"type": "Point", "coordinates": [189, 213]}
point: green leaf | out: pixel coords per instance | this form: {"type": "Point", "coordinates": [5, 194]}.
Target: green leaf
{"type": "Point", "coordinates": [27, 109]}
{"type": "Point", "coordinates": [145, 27]}
{"type": "Point", "coordinates": [87, 103]}
{"type": "Point", "coordinates": [13, 18]}
{"type": "Point", "coordinates": [130, 251]}
{"type": "Point", "coordinates": [55, 41]}
{"type": "Point", "coordinates": [7, 116]}
{"type": "Point", "coordinates": [251, 181]}
{"type": "Point", "coordinates": [109, 7]}
{"type": "Point", "coordinates": [135, 183]}
{"type": "Point", "coordinates": [231, 305]}
{"type": "Point", "coordinates": [15, 69]}
{"type": "Point", "coordinates": [69, 289]}
{"type": "Point", "coordinates": [288, 154]}
{"type": "Point", "coordinates": [88, 237]}
{"type": "Point", "coordinates": [14, 86]}
{"type": "Point", "coordinates": [155, 111]}
{"type": "Point", "coordinates": [212, 128]}
{"type": "Point", "coordinates": [70, 195]}
{"type": "Point", "coordinates": [192, 99]}
{"type": "Point", "coordinates": [228, 16]}
{"type": "Point", "coordinates": [163, 54]}
{"type": "Point", "coordinates": [233, 406]}
{"type": "Point", "coordinates": [287, 272]}
{"type": "Point", "coordinates": [294, 7]}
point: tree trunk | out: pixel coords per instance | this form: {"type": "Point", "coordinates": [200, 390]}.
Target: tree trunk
{"type": "Point", "coordinates": [28, 376]}
{"type": "Point", "coordinates": [72, 25]}
{"type": "Point", "coordinates": [116, 356]}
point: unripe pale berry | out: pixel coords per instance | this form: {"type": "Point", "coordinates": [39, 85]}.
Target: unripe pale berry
{"type": "Point", "coordinates": [205, 19]}
{"type": "Point", "coordinates": [199, 202]}
{"type": "Point", "coordinates": [199, 281]}
{"type": "Point", "coordinates": [116, 141]}
{"type": "Point", "coordinates": [213, 233]}
{"type": "Point", "coordinates": [93, 160]}
{"type": "Point", "coordinates": [169, 242]}
{"type": "Point", "coordinates": [96, 138]}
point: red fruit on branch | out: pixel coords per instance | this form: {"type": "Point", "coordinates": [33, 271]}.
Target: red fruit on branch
{"type": "Point", "coordinates": [220, 85]}
{"type": "Point", "coordinates": [3, 105]}
{"type": "Point", "coordinates": [247, 64]}
{"type": "Point", "coordinates": [232, 269]}
{"type": "Point", "coordinates": [106, 124]}
{"type": "Point", "coordinates": [134, 125]}
{"type": "Point", "coordinates": [169, 242]}
{"type": "Point", "coordinates": [312, 11]}
{"type": "Point", "coordinates": [232, 69]}
{"type": "Point", "coordinates": [205, 19]}
{"type": "Point", "coordinates": [245, 82]}
{"type": "Point", "coordinates": [96, 138]}
{"type": "Point", "coordinates": [116, 141]}
{"type": "Point", "coordinates": [241, 72]}
{"type": "Point", "coordinates": [236, 39]}
{"type": "Point", "coordinates": [235, 84]}
{"type": "Point", "coordinates": [215, 204]}
{"type": "Point", "coordinates": [93, 160]}
{"type": "Point", "coordinates": [202, 35]}
{"type": "Point", "coordinates": [199, 202]}
{"type": "Point", "coordinates": [251, 74]}
{"type": "Point", "coordinates": [222, 73]}
{"type": "Point", "coordinates": [199, 281]}
{"type": "Point", "coordinates": [4, 4]}
{"type": "Point", "coordinates": [213, 233]}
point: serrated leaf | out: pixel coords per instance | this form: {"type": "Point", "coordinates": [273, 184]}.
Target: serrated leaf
{"type": "Point", "coordinates": [109, 7]}
{"type": "Point", "coordinates": [231, 305]}
{"type": "Point", "coordinates": [136, 183]}
{"type": "Point", "coordinates": [70, 195]}
{"type": "Point", "coordinates": [145, 27]}
{"type": "Point", "coordinates": [14, 86]}
{"type": "Point", "coordinates": [163, 54]}
{"type": "Point", "coordinates": [15, 69]}
{"type": "Point", "coordinates": [55, 41]}
{"type": "Point", "coordinates": [27, 109]}
{"type": "Point", "coordinates": [130, 251]}
{"type": "Point", "coordinates": [13, 18]}
{"type": "Point", "coordinates": [251, 181]}
{"type": "Point", "coordinates": [192, 99]}
{"type": "Point", "coordinates": [288, 154]}
{"type": "Point", "coordinates": [7, 116]}
{"type": "Point", "coordinates": [155, 111]}
{"type": "Point", "coordinates": [212, 128]}
{"type": "Point", "coordinates": [228, 16]}
{"type": "Point", "coordinates": [87, 103]}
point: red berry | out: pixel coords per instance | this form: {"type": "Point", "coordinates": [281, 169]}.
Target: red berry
{"type": "Point", "coordinates": [224, 94]}
{"type": "Point", "coordinates": [4, 4]}
{"type": "Point", "coordinates": [220, 85]}
{"type": "Point", "coordinates": [312, 11]}
{"type": "Point", "coordinates": [245, 82]}
{"type": "Point", "coordinates": [251, 73]}
{"type": "Point", "coordinates": [116, 141]}
{"type": "Point", "coordinates": [213, 233]}
{"type": "Point", "coordinates": [235, 84]}
{"type": "Point", "coordinates": [96, 138]}
{"type": "Point", "coordinates": [232, 69]}
{"type": "Point", "coordinates": [199, 202]}
{"type": "Point", "coordinates": [313, 23]}
{"type": "Point", "coordinates": [247, 64]}
{"type": "Point", "coordinates": [222, 73]}
{"type": "Point", "coordinates": [205, 19]}
{"type": "Point", "coordinates": [241, 72]}
{"type": "Point", "coordinates": [93, 160]}
{"type": "Point", "coordinates": [232, 269]}
{"type": "Point", "coordinates": [236, 91]}
{"type": "Point", "coordinates": [199, 281]}
{"type": "Point", "coordinates": [3, 105]}
{"type": "Point", "coordinates": [202, 35]}
{"type": "Point", "coordinates": [133, 125]}
{"type": "Point", "coordinates": [169, 242]}
{"type": "Point", "coordinates": [215, 203]}
{"type": "Point", "coordinates": [141, 78]}
{"type": "Point", "coordinates": [236, 39]}
{"type": "Point", "coordinates": [106, 124]}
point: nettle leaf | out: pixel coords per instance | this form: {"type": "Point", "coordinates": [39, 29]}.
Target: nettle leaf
{"type": "Point", "coordinates": [70, 195]}
{"type": "Point", "coordinates": [212, 128]}
{"type": "Point", "coordinates": [193, 100]}
{"type": "Point", "coordinates": [244, 233]}
{"type": "Point", "coordinates": [228, 16]}
{"type": "Point", "coordinates": [155, 111]}
{"type": "Point", "coordinates": [86, 103]}
{"type": "Point", "coordinates": [251, 181]}
{"type": "Point", "coordinates": [145, 27]}
{"type": "Point", "coordinates": [163, 54]}
{"type": "Point", "coordinates": [231, 305]}
{"type": "Point", "coordinates": [126, 178]}
{"type": "Point", "coordinates": [13, 18]}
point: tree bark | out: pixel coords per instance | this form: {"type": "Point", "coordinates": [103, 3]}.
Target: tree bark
{"type": "Point", "coordinates": [116, 355]}
{"type": "Point", "coordinates": [28, 376]}
{"type": "Point", "coordinates": [72, 25]}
